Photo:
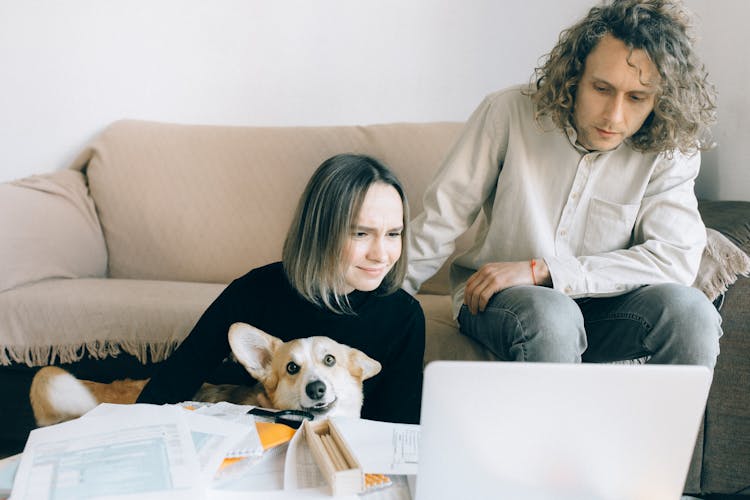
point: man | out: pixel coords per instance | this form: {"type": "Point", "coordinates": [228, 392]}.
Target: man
{"type": "Point", "coordinates": [589, 235]}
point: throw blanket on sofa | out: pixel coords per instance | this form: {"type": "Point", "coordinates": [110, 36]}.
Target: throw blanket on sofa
{"type": "Point", "coordinates": [64, 307]}
{"type": "Point", "coordinates": [721, 263]}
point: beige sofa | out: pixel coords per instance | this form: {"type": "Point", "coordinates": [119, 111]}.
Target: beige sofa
{"type": "Point", "coordinates": [107, 265]}
{"type": "Point", "coordinates": [152, 220]}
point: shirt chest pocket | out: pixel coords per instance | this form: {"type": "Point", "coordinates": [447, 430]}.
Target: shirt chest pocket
{"type": "Point", "coordinates": [609, 226]}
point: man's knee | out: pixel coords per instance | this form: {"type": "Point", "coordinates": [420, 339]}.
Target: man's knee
{"type": "Point", "coordinates": [539, 306]}
{"type": "Point", "coordinates": [533, 324]}
{"type": "Point", "coordinates": [694, 321]}
{"type": "Point", "coordinates": [686, 305]}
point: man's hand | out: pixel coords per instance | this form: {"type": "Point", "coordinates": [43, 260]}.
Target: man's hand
{"type": "Point", "coordinates": [496, 276]}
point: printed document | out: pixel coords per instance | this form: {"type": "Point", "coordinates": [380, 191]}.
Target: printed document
{"type": "Point", "coordinates": [143, 457]}
{"type": "Point", "coordinates": [381, 447]}
{"type": "Point", "coordinates": [214, 438]}
{"type": "Point", "coordinates": [211, 452]}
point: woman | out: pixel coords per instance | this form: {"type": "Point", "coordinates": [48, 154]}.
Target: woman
{"type": "Point", "coordinates": [342, 266]}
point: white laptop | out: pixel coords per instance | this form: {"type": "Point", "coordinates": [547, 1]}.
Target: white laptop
{"type": "Point", "coordinates": [540, 430]}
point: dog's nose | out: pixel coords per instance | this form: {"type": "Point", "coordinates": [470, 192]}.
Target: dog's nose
{"type": "Point", "coordinates": [315, 389]}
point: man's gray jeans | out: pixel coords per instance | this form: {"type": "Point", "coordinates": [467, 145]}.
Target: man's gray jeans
{"type": "Point", "coordinates": [669, 323]}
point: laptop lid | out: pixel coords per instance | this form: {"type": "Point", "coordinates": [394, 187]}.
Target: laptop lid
{"type": "Point", "coordinates": [542, 430]}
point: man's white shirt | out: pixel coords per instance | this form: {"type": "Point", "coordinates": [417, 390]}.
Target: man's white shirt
{"type": "Point", "coordinates": [604, 222]}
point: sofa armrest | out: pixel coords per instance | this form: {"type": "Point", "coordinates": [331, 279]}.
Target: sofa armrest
{"type": "Point", "coordinates": [49, 229]}
{"type": "Point", "coordinates": [731, 218]}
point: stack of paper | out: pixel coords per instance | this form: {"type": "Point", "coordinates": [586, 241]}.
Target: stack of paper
{"type": "Point", "coordinates": [211, 451]}
{"type": "Point", "coordinates": [117, 450]}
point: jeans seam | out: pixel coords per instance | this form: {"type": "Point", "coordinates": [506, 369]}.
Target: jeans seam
{"type": "Point", "coordinates": [645, 325]}
{"type": "Point", "coordinates": [519, 325]}
{"type": "Point", "coordinates": [509, 312]}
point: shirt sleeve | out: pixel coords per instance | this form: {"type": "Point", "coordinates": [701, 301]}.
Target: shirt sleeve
{"type": "Point", "coordinates": [452, 201]}
{"type": "Point", "coordinates": [396, 395]}
{"type": "Point", "coordinates": [180, 376]}
{"type": "Point", "coordinates": [668, 240]}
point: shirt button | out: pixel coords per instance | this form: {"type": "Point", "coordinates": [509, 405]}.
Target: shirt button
{"type": "Point", "coordinates": [563, 232]}
{"type": "Point", "coordinates": [574, 196]}
{"type": "Point", "coordinates": [568, 289]}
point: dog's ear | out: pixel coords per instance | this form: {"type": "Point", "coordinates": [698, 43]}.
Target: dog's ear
{"type": "Point", "coordinates": [361, 365]}
{"type": "Point", "coordinates": [253, 348]}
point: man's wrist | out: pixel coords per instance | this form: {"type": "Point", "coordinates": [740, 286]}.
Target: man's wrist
{"type": "Point", "coordinates": [540, 272]}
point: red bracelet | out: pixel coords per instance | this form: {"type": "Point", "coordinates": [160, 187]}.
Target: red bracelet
{"type": "Point", "coordinates": [533, 274]}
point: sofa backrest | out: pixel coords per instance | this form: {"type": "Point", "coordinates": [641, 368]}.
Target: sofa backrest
{"type": "Point", "coordinates": [49, 230]}
{"type": "Point", "coordinates": [208, 203]}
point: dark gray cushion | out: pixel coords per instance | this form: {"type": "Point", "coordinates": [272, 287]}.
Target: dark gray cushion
{"type": "Point", "coordinates": [731, 218]}
{"type": "Point", "coordinates": [726, 445]}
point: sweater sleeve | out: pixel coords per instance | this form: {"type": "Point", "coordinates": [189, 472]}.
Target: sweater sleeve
{"type": "Point", "coordinates": [396, 393]}
{"type": "Point", "coordinates": [181, 375]}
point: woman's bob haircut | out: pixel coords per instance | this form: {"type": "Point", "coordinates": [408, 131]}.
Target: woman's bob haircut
{"type": "Point", "coordinates": [322, 225]}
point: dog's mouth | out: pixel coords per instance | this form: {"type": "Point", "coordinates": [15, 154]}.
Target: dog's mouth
{"type": "Point", "coordinates": [321, 407]}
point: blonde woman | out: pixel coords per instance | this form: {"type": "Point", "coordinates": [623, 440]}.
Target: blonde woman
{"type": "Point", "coordinates": [342, 267]}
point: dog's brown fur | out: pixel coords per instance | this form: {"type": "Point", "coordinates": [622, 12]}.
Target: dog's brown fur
{"type": "Point", "coordinates": [52, 381]}
{"type": "Point", "coordinates": [56, 395]}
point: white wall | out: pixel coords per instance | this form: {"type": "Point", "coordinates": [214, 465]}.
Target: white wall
{"type": "Point", "coordinates": [724, 44]}
{"type": "Point", "coordinates": [67, 69]}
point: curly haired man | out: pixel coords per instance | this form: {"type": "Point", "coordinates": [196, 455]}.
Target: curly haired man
{"type": "Point", "coordinates": [590, 235]}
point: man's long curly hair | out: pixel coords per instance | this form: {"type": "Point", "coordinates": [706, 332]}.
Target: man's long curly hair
{"type": "Point", "coordinates": [685, 105]}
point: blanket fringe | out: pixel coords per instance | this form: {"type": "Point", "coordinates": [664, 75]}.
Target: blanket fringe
{"type": "Point", "coordinates": [728, 262]}
{"type": "Point", "coordinates": [152, 352]}
{"type": "Point", "coordinates": [637, 361]}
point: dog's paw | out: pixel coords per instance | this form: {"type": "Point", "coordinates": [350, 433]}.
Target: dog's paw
{"type": "Point", "coordinates": [57, 396]}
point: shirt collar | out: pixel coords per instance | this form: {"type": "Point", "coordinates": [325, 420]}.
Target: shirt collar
{"type": "Point", "coordinates": [572, 135]}
{"type": "Point", "coordinates": [573, 138]}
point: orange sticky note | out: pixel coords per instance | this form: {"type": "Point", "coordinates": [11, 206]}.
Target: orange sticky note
{"type": "Point", "coordinates": [376, 481]}
{"type": "Point", "coordinates": [272, 434]}
{"type": "Point", "coordinates": [229, 461]}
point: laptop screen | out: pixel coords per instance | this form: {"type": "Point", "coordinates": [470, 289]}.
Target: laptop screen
{"type": "Point", "coordinates": [543, 430]}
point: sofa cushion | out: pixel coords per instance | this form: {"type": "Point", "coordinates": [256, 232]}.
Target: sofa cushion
{"type": "Point", "coordinates": [731, 218]}
{"type": "Point", "coordinates": [63, 320]}
{"type": "Point", "coordinates": [726, 465]}
{"type": "Point", "coordinates": [208, 203]}
{"type": "Point", "coordinates": [444, 340]}
{"type": "Point", "coordinates": [49, 230]}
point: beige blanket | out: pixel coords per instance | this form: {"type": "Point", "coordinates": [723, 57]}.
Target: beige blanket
{"type": "Point", "coordinates": [721, 264]}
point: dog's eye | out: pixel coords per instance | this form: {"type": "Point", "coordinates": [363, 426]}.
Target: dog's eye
{"type": "Point", "coordinates": [292, 368]}
{"type": "Point", "coordinates": [329, 360]}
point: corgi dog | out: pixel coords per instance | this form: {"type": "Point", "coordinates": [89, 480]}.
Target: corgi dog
{"type": "Point", "coordinates": [314, 374]}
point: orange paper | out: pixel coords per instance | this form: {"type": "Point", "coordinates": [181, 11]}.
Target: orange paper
{"type": "Point", "coordinates": [272, 434]}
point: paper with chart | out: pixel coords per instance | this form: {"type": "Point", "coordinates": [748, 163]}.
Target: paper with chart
{"type": "Point", "coordinates": [214, 438]}
{"type": "Point", "coordinates": [8, 467]}
{"type": "Point", "coordinates": [381, 447]}
{"type": "Point", "coordinates": [146, 457]}
{"type": "Point", "coordinates": [250, 445]}
{"type": "Point", "coordinates": [149, 452]}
